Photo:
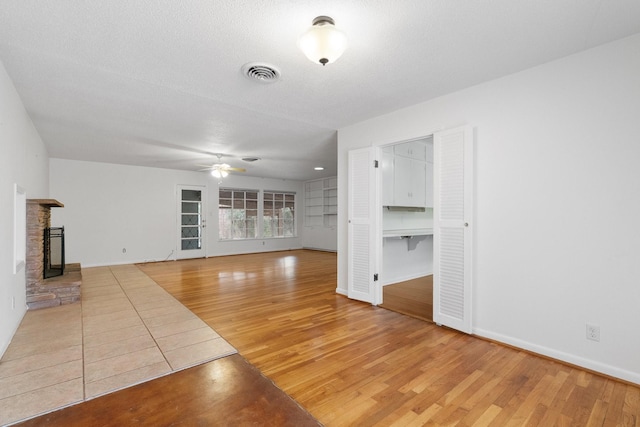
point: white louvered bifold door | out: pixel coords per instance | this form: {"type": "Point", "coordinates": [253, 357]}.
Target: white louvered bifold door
{"type": "Point", "coordinates": [453, 200]}
{"type": "Point", "coordinates": [361, 214]}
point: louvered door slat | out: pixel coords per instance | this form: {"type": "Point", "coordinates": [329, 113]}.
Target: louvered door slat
{"type": "Point", "coordinates": [452, 233]}
{"type": "Point", "coordinates": [361, 196]}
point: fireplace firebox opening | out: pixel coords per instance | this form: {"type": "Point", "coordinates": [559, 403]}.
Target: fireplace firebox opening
{"type": "Point", "coordinates": [53, 252]}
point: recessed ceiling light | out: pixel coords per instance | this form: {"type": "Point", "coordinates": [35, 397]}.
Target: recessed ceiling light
{"type": "Point", "coordinates": [318, 168]}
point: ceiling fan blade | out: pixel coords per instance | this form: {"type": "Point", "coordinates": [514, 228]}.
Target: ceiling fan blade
{"type": "Point", "coordinates": [221, 167]}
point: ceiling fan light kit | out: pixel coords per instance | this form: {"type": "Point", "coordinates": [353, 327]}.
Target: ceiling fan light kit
{"type": "Point", "coordinates": [221, 170]}
{"type": "Point", "coordinates": [323, 43]}
{"type": "Point", "coordinates": [219, 173]}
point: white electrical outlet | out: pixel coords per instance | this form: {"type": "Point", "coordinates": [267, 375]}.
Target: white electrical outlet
{"type": "Point", "coordinates": [593, 332]}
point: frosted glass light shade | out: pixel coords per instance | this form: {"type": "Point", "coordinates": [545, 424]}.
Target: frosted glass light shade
{"type": "Point", "coordinates": [323, 42]}
{"type": "Point", "coordinates": [217, 173]}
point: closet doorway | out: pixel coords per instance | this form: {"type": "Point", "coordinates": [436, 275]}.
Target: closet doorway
{"type": "Point", "coordinates": [407, 227]}
{"type": "Point", "coordinates": [412, 297]}
{"type": "Point", "coordinates": [450, 236]}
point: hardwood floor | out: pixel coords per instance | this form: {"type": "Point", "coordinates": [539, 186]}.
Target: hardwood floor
{"type": "Point", "coordinates": [225, 392]}
{"type": "Point", "coordinates": [412, 297]}
{"type": "Point", "coordinates": [349, 363]}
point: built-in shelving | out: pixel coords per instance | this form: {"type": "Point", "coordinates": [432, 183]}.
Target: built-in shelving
{"type": "Point", "coordinates": [313, 203]}
{"type": "Point", "coordinates": [321, 214]}
{"type": "Point", "coordinates": [321, 202]}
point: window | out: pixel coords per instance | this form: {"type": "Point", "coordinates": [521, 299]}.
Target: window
{"type": "Point", "coordinates": [242, 216]}
{"type": "Point", "coordinates": [238, 214]}
{"type": "Point", "coordinates": [278, 214]}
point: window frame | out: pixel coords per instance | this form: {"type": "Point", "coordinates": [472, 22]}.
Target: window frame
{"type": "Point", "coordinates": [225, 234]}
{"type": "Point", "coordinates": [238, 204]}
{"type": "Point", "coordinates": [280, 200]}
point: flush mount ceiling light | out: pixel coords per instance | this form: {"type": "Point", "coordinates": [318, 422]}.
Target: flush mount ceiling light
{"type": "Point", "coordinates": [323, 42]}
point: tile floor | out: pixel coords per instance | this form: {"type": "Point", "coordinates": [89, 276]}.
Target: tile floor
{"type": "Point", "coordinates": [127, 330]}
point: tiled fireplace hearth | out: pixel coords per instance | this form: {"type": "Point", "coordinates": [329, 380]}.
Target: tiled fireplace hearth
{"type": "Point", "coordinates": [42, 293]}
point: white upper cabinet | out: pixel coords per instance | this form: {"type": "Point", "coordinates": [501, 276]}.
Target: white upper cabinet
{"type": "Point", "coordinates": [429, 180]}
{"type": "Point", "coordinates": [410, 182]}
{"type": "Point", "coordinates": [407, 174]}
{"type": "Point", "coordinates": [428, 198]}
{"type": "Point", "coordinates": [429, 148]}
{"type": "Point", "coordinates": [387, 176]}
{"type": "Point", "coordinates": [413, 149]}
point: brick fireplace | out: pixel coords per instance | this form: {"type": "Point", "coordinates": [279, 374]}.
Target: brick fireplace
{"type": "Point", "coordinates": [41, 292]}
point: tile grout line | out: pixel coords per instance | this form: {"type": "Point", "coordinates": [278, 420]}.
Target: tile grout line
{"type": "Point", "coordinates": [98, 298]}
{"type": "Point", "coordinates": [84, 363]}
{"type": "Point", "coordinates": [141, 319]}
{"type": "Point", "coordinates": [119, 285]}
{"type": "Point", "coordinates": [168, 296]}
{"type": "Point", "coordinates": [42, 387]}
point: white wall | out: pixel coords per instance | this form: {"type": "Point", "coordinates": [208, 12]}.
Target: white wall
{"type": "Point", "coordinates": [320, 238]}
{"type": "Point", "coordinates": [24, 161]}
{"type": "Point", "coordinates": [557, 202]}
{"type": "Point", "coordinates": [406, 258]}
{"type": "Point", "coordinates": [110, 207]}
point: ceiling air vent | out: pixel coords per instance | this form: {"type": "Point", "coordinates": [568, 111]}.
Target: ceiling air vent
{"type": "Point", "coordinates": [263, 73]}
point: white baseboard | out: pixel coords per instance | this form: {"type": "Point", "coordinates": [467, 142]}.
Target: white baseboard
{"type": "Point", "coordinates": [573, 359]}
{"type": "Point", "coordinates": [406, 278]}
{"type": "Point", "coordinates": [174, 258]}
{"type": "Point", "coordinates": [99, 264]}
{"type": "Point", "coordinates": [311, 248]}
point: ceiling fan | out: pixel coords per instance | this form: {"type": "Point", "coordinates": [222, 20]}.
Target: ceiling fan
{"type": "Point", "coordinates": [220, 170]}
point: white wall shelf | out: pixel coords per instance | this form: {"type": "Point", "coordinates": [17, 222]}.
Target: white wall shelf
{"type": "Point", "coordinates": [408, 232]}
{"type": "Point", "coordinates": [321, 213]}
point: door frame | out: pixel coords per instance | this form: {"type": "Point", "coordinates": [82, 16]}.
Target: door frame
{"type": "Point", "coordinates": [202, 252]}
{"type": "Point", "coordinates": [372, 292]}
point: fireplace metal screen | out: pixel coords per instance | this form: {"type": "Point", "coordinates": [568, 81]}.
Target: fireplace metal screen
{"type": "Point", "coordinates": [53, 252]}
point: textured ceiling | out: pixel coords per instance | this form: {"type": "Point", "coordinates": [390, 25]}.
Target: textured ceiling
{"type": "Point", "coordinates": [158, 82]}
